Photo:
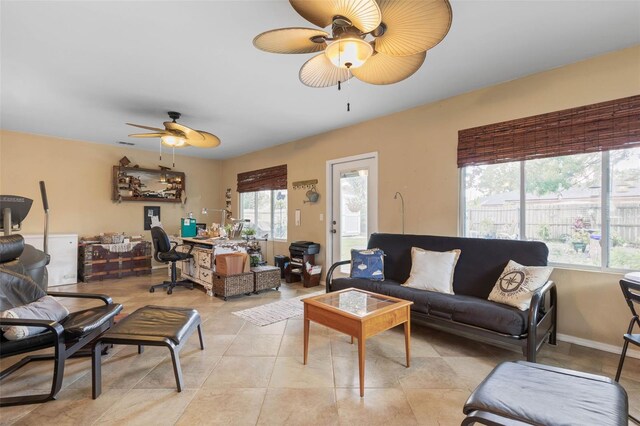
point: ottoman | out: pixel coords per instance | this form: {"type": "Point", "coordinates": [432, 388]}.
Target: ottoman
{"type": "Point", "coordinates": [523, 393]}
{"type": "Point", "coordinates": [265, 277]}
{"type": "Point", "coordinates": [149, 326]}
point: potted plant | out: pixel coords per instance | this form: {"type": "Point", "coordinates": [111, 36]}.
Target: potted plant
{"type": "Point", "coordinates": [580, 236]}
{"type": "Point", "coordinates": [249, 233]}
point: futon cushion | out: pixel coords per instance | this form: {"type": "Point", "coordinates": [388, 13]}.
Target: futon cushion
{"type": "Point", "coordinates": [518, 283]}
{"type": "Point", "coordinates": [480, 264]}
{"type": "Point", "coordinates": [432, 270]}
{"type": "Point", "coordinates": [45, 308]}
{"type": "Point", "coordinates": [367, 264]}
{"type": "Point", "coordinates": [464, 309]}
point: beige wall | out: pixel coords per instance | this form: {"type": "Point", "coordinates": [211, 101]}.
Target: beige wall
{"type": "Point", "coordinates": [417, 156]}
{"type": "Point", "coordinates": [78, 176]}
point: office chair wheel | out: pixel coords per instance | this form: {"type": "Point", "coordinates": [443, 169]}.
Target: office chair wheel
{"type": "Point", "coordinates": [151, 290]}
{"type": "Point", "coordinates": [170, 291]}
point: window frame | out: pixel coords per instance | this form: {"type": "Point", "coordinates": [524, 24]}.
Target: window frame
{"type": "Point", "coordinates": [605, 205]}
{"type": "Point", "coordinates": [272, 211]}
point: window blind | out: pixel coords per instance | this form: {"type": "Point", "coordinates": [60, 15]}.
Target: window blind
{"type": "Point", "coordinates": [271, 178]}
{"type": "Point", "coordinates": [598, 127]}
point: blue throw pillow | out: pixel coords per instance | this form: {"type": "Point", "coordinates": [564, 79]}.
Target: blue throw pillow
{"type": "Point", "coordinates": [367, 264]}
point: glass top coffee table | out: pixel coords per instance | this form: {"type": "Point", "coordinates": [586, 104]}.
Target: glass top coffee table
{"type": "Point", "coordinates": [360, 314]}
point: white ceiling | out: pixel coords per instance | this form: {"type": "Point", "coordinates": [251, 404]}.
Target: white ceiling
{"type": "Point", "coordinates": [81, 69]}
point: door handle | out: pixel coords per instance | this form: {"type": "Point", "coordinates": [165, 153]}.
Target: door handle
{"type": "Point", "coordinates": [333, 231]}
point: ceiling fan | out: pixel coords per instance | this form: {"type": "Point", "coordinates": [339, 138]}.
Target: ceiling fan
{"type": "Point", "coordinates": [377, 41]}
{"type": "Point", "coordinates": [176, 135]}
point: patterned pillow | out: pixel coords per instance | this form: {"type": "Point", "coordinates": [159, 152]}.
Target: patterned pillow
{"type": "Point", "coordinates": [367, 264]}
{"type": "Point", "coordinates": [517, 283]}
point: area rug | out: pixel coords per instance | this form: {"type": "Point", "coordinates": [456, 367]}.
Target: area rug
{"type": "Point", "coordinates": [276, 311]}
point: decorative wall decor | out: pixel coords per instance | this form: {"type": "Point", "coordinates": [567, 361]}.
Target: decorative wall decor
{"type": "Point", "coordinates": [138, 184]}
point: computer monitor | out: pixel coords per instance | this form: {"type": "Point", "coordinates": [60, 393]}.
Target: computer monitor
{"type": "Point", "coordinates": [17, 207]}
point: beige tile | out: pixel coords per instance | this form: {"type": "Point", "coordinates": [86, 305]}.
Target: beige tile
{"type": "Point", "coordinates": [434, 407]}
{"type": "Point", "coordinates": [148, 406]}
{"type": "Point", "coordinates": [299, 407]}
{"type": "Point", "coordinates": [230, 406]}
{"type": "Point", "coordinates": [296, 326]}
{"type": "Point", "coordinates": [391, 344]}
{"type": "Point", "coordinates": [379, 372]}
{"type": "Point", "coordinates": [196, 367]}
{"type": "Point", "coordinates": [222, 324]}
{"type": "Point", "coordinates": [290, 372]}
{"type": "Point", "coordinates": [241, 372]}
{"type": "Point", "coordinates": [472, 370]}
{"type": "Point", "coordinates": [431, 373]}
{"type": "Point", "coordinates": [10, 415]}
{"type": "Point", "coordinates": [341, 345]}
{"type": "Point", "coordinates": [73, 407]}
{"type": "Point", "coordinates": [275, 328]}
{"type": "Point", "coordinates": [293, 345]}
{"type": "Point", "coordinates": [377, 407]}
{"type": "Point", "coordinates": [254, 345]}
{"type": "Point", "coordinates": [121, 372]}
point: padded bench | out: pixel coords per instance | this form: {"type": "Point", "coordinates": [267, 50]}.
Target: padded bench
{"type": "Point", "coordinates": [149, 326]}
{"type": "Point", "coordinates": [523, 393]}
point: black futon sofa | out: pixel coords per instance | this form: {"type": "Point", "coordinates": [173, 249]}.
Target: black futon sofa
{"type": "Point", "coordinates": [467, 312]}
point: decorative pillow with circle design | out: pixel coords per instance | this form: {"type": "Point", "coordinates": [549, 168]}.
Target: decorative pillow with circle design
{"type": "Point", "coordinates": [517, 283]}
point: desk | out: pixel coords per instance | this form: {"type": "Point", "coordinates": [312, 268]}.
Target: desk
{"type": "Point", "coordinates": [201, 268]}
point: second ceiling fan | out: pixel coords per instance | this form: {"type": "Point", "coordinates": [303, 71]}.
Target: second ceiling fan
{"type": "Point", "coordinates": [378, 42]}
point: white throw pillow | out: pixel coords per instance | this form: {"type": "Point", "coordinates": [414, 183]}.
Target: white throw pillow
{"type": "Point", "coordinates": [45, 308]}
{"type": "Point", "coordinates": [432, 270]}
{"type": "Point", "coordinates": [517, 283]}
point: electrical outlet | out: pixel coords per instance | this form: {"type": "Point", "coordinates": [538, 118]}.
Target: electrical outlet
{"type": "Point", "coordinates": [321, 217]}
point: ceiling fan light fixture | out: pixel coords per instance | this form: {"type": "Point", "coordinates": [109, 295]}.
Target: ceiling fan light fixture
{"type": "Point", "coordinates": [173, 141]}
{"type": "Point", "coordinates": [348, 52]}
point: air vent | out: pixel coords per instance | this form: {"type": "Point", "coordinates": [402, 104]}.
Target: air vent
{"type": "Point", "coordinates": [126, 143]}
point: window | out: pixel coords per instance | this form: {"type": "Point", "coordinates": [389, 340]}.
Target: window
{"type": "Point", "coordinates": [266, 211]}
{"type": "Point", "coordinates": [585, 207]}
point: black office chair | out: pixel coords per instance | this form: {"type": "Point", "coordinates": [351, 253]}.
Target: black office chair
{"type": "Point", "coordinates": [165, 253]}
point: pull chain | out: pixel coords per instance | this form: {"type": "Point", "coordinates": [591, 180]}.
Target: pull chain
{"type": "Point", "coordinates": [161, 151]}
{"type": "Point", "coordinates": [349, 92]}
{"type": "Point", "coordinates": [173, 150]}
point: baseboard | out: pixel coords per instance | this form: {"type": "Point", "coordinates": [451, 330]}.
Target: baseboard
{"type": "Point", "coordinates": [159, 267]}
{"type": "Point", "coordinates": [605, 347]}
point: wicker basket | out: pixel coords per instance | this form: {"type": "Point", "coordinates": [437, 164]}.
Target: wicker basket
{"type": "Point", "coordinates": [265, 277]}
{"type": "Point", "coordinates": [231, 285]}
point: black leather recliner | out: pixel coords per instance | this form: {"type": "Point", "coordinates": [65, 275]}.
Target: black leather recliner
{"type": "Point", "coordinates": [66, 337]}
{"type": "Point", "coordinates": [165, 253]}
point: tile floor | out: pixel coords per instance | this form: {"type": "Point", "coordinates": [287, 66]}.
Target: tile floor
{"type": "Point", "coordinates": [254, 375]}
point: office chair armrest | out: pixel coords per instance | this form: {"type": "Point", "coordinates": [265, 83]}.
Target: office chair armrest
{"type": "Point", "coordinates": [191, 245]}
{"type": "Point", "coordinates": [106, 299]}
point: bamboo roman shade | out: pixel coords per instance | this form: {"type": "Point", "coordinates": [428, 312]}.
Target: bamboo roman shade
{"type": "Point", "coordinates": [263, 179]}
{"type": "Point", "coordinates": [591, 128]}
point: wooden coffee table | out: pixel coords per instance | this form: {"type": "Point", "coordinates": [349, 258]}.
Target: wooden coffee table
{"type": "Point", "coordinates": [360, 314]}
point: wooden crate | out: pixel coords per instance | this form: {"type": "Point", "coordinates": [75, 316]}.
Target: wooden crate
{"type": "Point", "coordinates": [98, 262]}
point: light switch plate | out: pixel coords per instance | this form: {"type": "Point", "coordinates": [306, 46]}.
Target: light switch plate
{"type": "Point", "coordinates": [297, 217]}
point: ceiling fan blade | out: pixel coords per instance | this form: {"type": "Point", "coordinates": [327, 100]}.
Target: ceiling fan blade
{"type": "Point", "coordinates": [363, 14]}
{"type": "Point", "coordinates": [186, 132]}
{"type": "Point", "coordinates": [320, 72]}
{"type": "Point", "coordinates": [290, 40]}
{"type": "Point", "coordinates": [210, 140]}
{"type": "Point", "coordinates": [148, 135]}
{"type": "Point", "coordinates": [385, 69]}
{"type": "Point", "coordinates": [413, 26]}
{"type": "Point", "coordinates": [145, 127]}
